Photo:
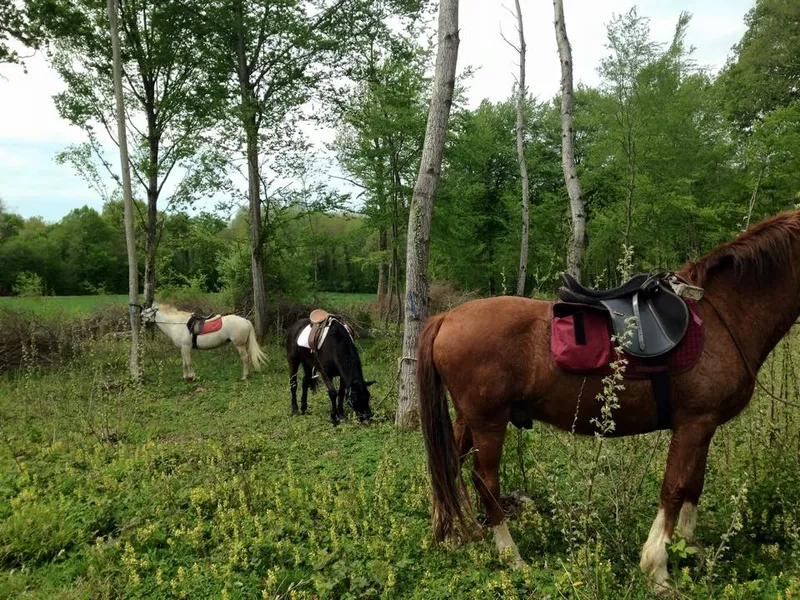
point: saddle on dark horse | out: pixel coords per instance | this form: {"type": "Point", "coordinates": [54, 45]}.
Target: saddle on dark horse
{"type": "Point", "coordinates": [646, 313]}
{"type": "Point", "coordinates": [321, 320]}
{"type": "Point", "coordinates": [201, 324]}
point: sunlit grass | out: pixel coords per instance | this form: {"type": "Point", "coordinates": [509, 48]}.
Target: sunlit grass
{"type": "Point", "coordinates": [212, 489]}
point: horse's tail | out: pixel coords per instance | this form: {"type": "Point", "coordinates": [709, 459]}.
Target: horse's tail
{"type": "Point", "coordinates": [444, 463]}
{"type": "Point", "coordinates": [257, 355]}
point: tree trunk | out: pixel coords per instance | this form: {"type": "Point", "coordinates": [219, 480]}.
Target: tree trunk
{"type": "Point", "coordinates": [151, 245]}
{"type": "Point", "coordinates": [522, 274]}
{"type": "Point", "coordinates": [753, 197]}
{"type": "Point", "coordinates": [421, 210]}
{"type": "Point", "coordinates": [383, 267]}
{"type": "Point", "coordinates": [578, 241]}
{"type": "Point", "coordinates": [253, 178]}
{"type": "Point", "coordinates": [152, 237]}
{"type": "Point", "coordinates": [130, 239]}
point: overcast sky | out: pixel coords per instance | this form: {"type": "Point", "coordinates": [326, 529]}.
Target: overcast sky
{"type": "Point", "coordinates": [31, 132]}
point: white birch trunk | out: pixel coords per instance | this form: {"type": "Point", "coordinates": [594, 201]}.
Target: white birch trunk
{"type": "Point", "coordinates": [578, 241]}
{"type": "Point", "coordinates": [130, 240]}
{"type": "Point", "coordinates": [421, 210]}
{"type": "Point", "coordinates": [522, 274]}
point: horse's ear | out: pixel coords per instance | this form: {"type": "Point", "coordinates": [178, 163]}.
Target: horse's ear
{"type": "Point", "coordinates": [369, 383]}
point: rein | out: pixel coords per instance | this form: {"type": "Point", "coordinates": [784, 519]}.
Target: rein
{"type": "Point", "coordinates": [753, 375]}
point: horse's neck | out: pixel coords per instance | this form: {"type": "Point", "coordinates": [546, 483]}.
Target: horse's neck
{"type": "Point", "coordinates": [171, 323]}
{"type": "Point", "coordinates": [759, 317]}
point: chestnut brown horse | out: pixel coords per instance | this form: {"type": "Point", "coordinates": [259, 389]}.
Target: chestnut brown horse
{"type": "Point", "coordinates": [493, 356]}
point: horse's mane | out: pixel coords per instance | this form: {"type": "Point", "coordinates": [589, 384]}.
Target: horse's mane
{"type": "Point", "coordinates": [756, 255]}
{"type": "Point", "coordinates": [164, 307]}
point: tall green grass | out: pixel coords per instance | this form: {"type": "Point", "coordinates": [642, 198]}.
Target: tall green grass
{"type": "Point", "coordinates": [77, 306]}
{"type": "Point", "coordinates": [212, 489]}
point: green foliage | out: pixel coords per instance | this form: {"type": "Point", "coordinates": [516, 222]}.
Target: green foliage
{"type": "Point", "coordinates": [212, 489]}
{"type": "Point", "coordinates": [476, 224]}
{"type": "Point", "coordinates": [28, 285]}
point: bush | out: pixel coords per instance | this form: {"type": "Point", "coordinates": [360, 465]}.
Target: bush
{"type": "Point", "coordinates": [28, 285]}
{"type": "Point", "coordinates": [31, 340]}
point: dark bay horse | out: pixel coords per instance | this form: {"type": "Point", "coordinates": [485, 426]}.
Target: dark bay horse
{"type": "Point", "coordinates": [338, 357]}
{"type": "Point", "coordinates": [493, 356]}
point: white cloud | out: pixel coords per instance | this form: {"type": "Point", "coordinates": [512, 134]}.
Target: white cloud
{"type": "Point", "coordinates": [27, 111]}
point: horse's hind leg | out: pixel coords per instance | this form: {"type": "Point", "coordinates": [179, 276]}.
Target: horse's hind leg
{"type": "Point", "coordinates": [340, 397]}
{"type": "Point", "coordinates": [245, 360]}
{"type": "Point", "coordinates": [687, 453]}
{"type": "Point", "coordinates": [293, 385]}
{"type": "Point", "coordinates": [485, 476]}
{"type": "Point", "coordinates": [307, 381]}
{"type": "Point", "coordinates": [463, 438]}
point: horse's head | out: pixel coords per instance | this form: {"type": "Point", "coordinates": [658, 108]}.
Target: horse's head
{"type": "Point", "coordinates": [149, 315]}
{"type": "Point", "coordinates": [359, 392]}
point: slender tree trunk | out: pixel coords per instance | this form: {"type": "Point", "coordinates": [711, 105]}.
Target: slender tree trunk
{"type": "Point", "coordinates": [577, 208]}
{"type": "Point", "coordinates": [396, 196]}
{"type": "Point", "coordinates": [151, 246]}
{"type": "Point", "coordinates": [383, 267]}
{"type": "Point", "coordinates": [130, 239]}
{"type": "Point", "coordinates": [753, 197]}
{"type": "Point", "coordinates": [626, 236]}
{"type": "Point", "coordinates": [522, 274]}
{"type": "Point", "coordinates": [253, 178]}
{"type": "Point", "coordinates": [421, 210]}
{"type": "Point", "coordinates": [152, 237]}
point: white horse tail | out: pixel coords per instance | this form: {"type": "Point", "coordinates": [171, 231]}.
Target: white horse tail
{"type": "Point", "coordinates": [257, 355]}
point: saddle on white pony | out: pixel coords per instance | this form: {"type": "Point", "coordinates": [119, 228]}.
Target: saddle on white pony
{"type": "Point", "coordinates": [200, 325]}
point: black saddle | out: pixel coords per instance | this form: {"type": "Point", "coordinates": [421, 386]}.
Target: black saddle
{"type": "Point", "coordinates": [661, 317]}
{"type": "Point", "coordinates": [195, 325]}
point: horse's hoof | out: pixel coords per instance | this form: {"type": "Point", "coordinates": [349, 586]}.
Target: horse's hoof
{"type": "Point", "coordinates": [188, 379]}
{"type": "Point", "coordinates": [295, 412]}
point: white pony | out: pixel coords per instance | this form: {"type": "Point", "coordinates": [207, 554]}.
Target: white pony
{"type": "Point", "coordinates": [235, 329]}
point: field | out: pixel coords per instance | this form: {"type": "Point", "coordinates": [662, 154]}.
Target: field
{"type": "Point", "coordinates": [76, 306]}
{"type": "Point", "coordinates": [212, 489]}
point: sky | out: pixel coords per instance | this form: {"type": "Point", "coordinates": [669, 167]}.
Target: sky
{"type": "Point", "coordinates": [32, 133]}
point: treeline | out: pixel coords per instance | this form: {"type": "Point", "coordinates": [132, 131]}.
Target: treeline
{"type": "Point", "coordinates": [672, 158]}
{"type": "Point", "coordinates": [84, 253]}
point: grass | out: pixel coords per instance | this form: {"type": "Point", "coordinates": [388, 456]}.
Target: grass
{"type": "Point", "coordinates": [212, 489]}
{"type": "Point", "coordinates": [77, 306]}
{"type": "Point", "coordinates": [67, 306]}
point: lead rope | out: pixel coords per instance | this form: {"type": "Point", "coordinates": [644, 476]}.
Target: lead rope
{"type": "Point", "coordinates": [750, 371]}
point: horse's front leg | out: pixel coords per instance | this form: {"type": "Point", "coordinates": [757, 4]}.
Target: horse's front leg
{"type": "Point", "coordinates": [188, 370]}
{"type": "Point", "coordinates": [332, 395]}
{"type": "Point", "coordinates": [687, 454]}
{"type": "Point", "coordinates": [340, 397]}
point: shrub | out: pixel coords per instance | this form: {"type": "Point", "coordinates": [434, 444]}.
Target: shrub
{"type": "Point", "coordinates": [28, 285]}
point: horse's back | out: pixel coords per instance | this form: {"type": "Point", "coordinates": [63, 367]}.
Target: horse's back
{"type": "Point", "coordinates": [497, 342]}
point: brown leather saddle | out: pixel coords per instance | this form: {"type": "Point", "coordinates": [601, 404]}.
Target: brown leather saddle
{"type": "Point", "coordinates": [320, 320]}
{"type": "Point", "coordinates": [196, 324]}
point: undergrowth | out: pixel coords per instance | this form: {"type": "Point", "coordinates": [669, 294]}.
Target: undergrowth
{"type": "Point", "coordinates": [212, 489]}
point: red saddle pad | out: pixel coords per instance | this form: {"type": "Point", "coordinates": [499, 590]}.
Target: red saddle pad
{"type": "Point", "coordinates": [212, 325]}
{"type": "Point", "coordinates": [580, 342]}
